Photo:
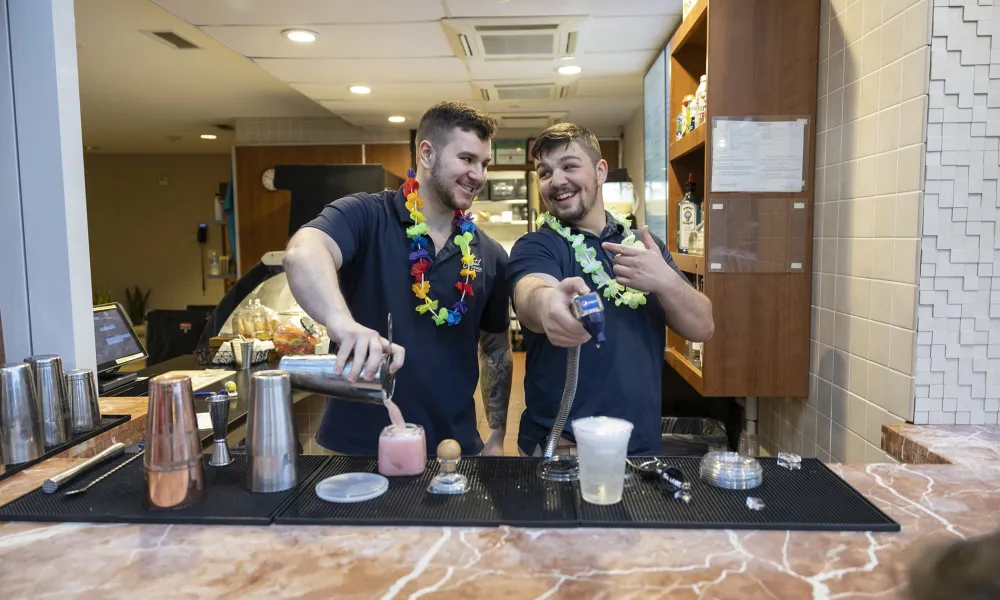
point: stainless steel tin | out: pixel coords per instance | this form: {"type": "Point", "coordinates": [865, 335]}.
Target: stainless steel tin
{"type": "Point", "coordinates": [84, 409]}
{"type": "Point", "coordinates": [173, 465]}
{"type": "Point", "coordinates": [21, 438]}
{"type": "Point", "coordinates": [50, 388]}
{"type": "Point", "coordinates": [314, 373]}
{"type": "Point", "coordinates": [272, 443]}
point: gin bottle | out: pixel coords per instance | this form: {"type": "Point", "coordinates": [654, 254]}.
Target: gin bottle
{"type": "Point", "coordinates": [688, 217]}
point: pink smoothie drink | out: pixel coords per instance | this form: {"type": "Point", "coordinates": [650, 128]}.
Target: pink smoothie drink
{"type": "Point", "coordinates": [402, 452]}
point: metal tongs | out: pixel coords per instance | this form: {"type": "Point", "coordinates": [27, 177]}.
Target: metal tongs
{"type": "Point", "coordinates": [671, 478]}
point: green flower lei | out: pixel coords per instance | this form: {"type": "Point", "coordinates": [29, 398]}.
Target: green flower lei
{"type": "Point", "coordinates": [587, 258]}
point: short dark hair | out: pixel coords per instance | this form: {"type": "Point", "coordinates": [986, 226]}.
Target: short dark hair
{"type": "Point", "coordinates": [561, 135]}
{"type": "Point", "coordinates": [443, 118]}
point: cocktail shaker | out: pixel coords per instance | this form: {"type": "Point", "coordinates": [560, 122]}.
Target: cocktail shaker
{"type": "Point", "coordinates": [314, 373]}
{"type": "Point", "coordinates": [84, 409]}
{"type": "Point", "coordinates": [218, 409]}
{"type": "Point", "coordinates": [272, 443]}
{"type": "Point", "coordinates": [21, 438]}
{"type": "Point", "coordinates": [51, 390]}
{"type": "Point", "coordinates": [173, 464]}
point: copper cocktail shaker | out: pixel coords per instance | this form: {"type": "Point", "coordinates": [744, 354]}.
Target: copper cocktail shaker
{"type": "Point", "coordinates": [173, 464]}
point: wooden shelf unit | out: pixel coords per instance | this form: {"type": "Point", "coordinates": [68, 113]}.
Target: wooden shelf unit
{"type": "Point", "coordinates": [761, 57]}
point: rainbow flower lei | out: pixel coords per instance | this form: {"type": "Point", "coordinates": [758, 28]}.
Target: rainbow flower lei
{"type": "Point", "coordinates": [420, 258]}
{"type": "Point", "coordinates": [587, 258]}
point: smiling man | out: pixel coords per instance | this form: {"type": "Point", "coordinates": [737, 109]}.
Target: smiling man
{"type": "Point", "coordinates": [414, 253]}
{"type": "Point", "coordinates": [643, 292]}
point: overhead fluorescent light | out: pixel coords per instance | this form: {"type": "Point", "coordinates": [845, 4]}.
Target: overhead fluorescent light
{"type": "Point", "coordinates": [397, 119]}
{"type": "Point", "coordinates": [569, 70]}
{"type": "Point", "coordinates": [209, 136]}
{"type": "Point", "coordinates": [302, 36]}
{"type": "Point", "coordinates": [360, 89]}
{"type": "Point", "coordinates": [465, 44]}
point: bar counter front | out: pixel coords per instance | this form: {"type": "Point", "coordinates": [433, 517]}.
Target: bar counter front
{"type": "Point", "coordinates": [951, 495]}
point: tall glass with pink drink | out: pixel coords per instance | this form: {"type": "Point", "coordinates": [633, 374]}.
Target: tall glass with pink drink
{"type": "Point", "coordinates": [402, 451]}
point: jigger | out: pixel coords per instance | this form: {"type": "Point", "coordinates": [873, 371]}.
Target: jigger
{"type": "Point", "coordinates": [218, 409]}
{"type": "Point", "coordinates": [175, 477]}
{"type": "Point", "coordinates": [51, 395]}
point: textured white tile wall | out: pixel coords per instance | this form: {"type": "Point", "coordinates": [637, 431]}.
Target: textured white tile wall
{"type": "Point", "coordinates": [958, 326]}
{"type": "Point", "coordinates": [871, 132]}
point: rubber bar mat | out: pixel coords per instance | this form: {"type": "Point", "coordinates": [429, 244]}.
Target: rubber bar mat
{"type": "Point", "coordinates": [107, 422]}
{"type": "Point", "coordinates": [120, 497]}
{"type": "Point", "coordinates": [812, 498]}
{"type": "Point", "coordinates": [503, 491]}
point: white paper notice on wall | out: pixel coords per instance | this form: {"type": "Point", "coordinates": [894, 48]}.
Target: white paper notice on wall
{"type": "Point", "coordinates": [758, 156]}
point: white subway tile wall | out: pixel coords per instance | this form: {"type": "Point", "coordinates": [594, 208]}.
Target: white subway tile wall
{"type": "Point", "coordinates": [958, 315]}
{"type": "Point", "coordinates": [871, 131]}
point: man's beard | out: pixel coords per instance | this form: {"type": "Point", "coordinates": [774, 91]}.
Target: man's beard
{"type": "Point", "coordinates": [576, 214]}
{"type": "Point", "coordinates": [442, 191]}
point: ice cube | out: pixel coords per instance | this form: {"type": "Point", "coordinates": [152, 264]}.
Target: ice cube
{"type": "Point", "coordinates": [790, 461]}
{"type": "Point", "coordinates": [755, 503]}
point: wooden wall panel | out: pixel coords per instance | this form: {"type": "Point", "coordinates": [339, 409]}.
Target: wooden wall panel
{"type": "Point", "coordinates": [609, 151]}
{"type": "Point", "coordinates": [395, 158]}
{"type": "Point", "coordinates": [263, 215]}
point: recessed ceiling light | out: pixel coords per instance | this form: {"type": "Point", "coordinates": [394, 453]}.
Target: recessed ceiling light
{"type": "Point", "coordinates": [209, 136]}
{"type": "Point", "coordinates": [569, 70]}
{"type": "Point", "coordinates": [566, 58]}
{"type": "Point", "coordinates": [302, 36]}
{"type": "Point", "coordinates": [397, 119]}
{"type": "Point", "coordinates": [360, 89]}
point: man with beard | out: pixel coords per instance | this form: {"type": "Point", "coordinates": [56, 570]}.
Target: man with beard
{"type": "Point", "coordinates": [414, 253]}
{"type": "Point", "coordinates": [580, 247]}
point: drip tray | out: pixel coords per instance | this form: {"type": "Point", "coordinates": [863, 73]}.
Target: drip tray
{"type": "Point", "coordinates": [813, 498]}
{"type": "Point", "coordinates": [119, 498]}
{"type": "Point", "coordinates": [108, 422]}
{"type": "Point", "coordinates": [502, 491]}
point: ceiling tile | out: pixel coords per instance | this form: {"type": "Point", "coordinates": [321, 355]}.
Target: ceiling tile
{"type": "Point", "coordinates": [371, 70]}
{"type": "Point", "coordinates": [613, 85]}
{"type": "Point", "coordinates": [534, 8]}
{"type": "Point", "coordinates": [412, 40]}
{"type": "Point", "coordinates": [619, 34]}
{"type": "Point", "coordinates": [607, 63]}
{"type": "Point", "coordinates": [382, 91]}
{"type": "Point", "coordinates": [302, 12]}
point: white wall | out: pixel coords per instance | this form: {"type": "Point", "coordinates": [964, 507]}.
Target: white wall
{"type": "Point", "coordinates": [958, 327]}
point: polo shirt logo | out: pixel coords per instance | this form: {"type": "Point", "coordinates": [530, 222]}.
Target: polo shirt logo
{"type": "Point", "coordinates": [477, 266]}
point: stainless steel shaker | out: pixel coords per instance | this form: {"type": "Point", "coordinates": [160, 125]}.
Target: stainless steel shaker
{"type": "Point", "coordinates": [84, 408]}
{"type": "Point", "coordinates": [272, 443]}
{"type": "Point", "coordinates": [21, 438]}
{"type": "Point", "coordinates": [218, 409]}
{"type": "Point", "coordinates": [314, 373]}
{"type": "Point", "coordinates": [50, 388]}
{"type": "Point", "coordinates": [175, 477]}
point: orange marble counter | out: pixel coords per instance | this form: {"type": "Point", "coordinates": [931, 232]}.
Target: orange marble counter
{"type": "Point", "coordinates": [932, 502]}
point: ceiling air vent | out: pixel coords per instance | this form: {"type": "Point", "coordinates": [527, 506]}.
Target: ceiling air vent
{"type": "Point", "coordinates": [171, 39]}
{"type": "Point", "coordinates": [507, 91]}
{"type": "Point", "coordinates": [536, 121]}
{"type": "Point", "coordinates": [514, 38]}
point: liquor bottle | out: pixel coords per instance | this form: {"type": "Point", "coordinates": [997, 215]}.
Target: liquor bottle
{"type": "Point", "coordinates": [688, 217]}
{"type": "Point", "coordinates": [698, 347]}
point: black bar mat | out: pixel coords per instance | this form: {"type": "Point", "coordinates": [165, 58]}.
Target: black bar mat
{"type": "Point", "coordinates": [813, 498]}
{"type": "Point", "coordinates": [503, 491]}
{"type": "Point", "coordinates": [107, 422]}
{"type": "Point", "coordinates": [119, 498]}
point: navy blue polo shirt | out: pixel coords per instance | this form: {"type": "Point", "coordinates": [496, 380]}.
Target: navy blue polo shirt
{"type": "Point", "coordinates": [619, 379]}
{"type": "Point", "coordinates": [436, 384]}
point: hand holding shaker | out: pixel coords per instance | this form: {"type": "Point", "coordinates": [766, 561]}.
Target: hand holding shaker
{"type": "Point", "coordinates": [21, 437]}
{"type": "Point", "coordinates": [272, 443]}
{"type": "Point", "coordinates": [174, 474]}
{"type": "Point", "coordinates": [51, 394]}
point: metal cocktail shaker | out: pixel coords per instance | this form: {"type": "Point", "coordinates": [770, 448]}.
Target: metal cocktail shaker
{"type": "Point", "coordinates": [84, 409]}
{"type": "Point", "coordinates": [272, 443]}
{"type": "Point", "coordinates": [314, 373]}
{"type": "Point", "coordinates": [51, 394]}
{"type": "Point", "coordinates": [21, 437]}
{"type": "Point", "coordinates": [173, 465]}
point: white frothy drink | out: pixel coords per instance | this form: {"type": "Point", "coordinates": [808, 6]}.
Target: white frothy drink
{"type": "Point", "coordinates": [601, 447]}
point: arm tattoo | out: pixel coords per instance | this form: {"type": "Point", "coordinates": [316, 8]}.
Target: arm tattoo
{"type": "Point", "coordinates": [495, 376]}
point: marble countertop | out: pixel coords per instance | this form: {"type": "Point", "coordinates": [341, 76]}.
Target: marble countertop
{"type": "Point", "coordinates": [934, 503]}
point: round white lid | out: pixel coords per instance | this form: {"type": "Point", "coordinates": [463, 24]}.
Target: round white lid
{"type": "Point", "coordinates": [352, 487]}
